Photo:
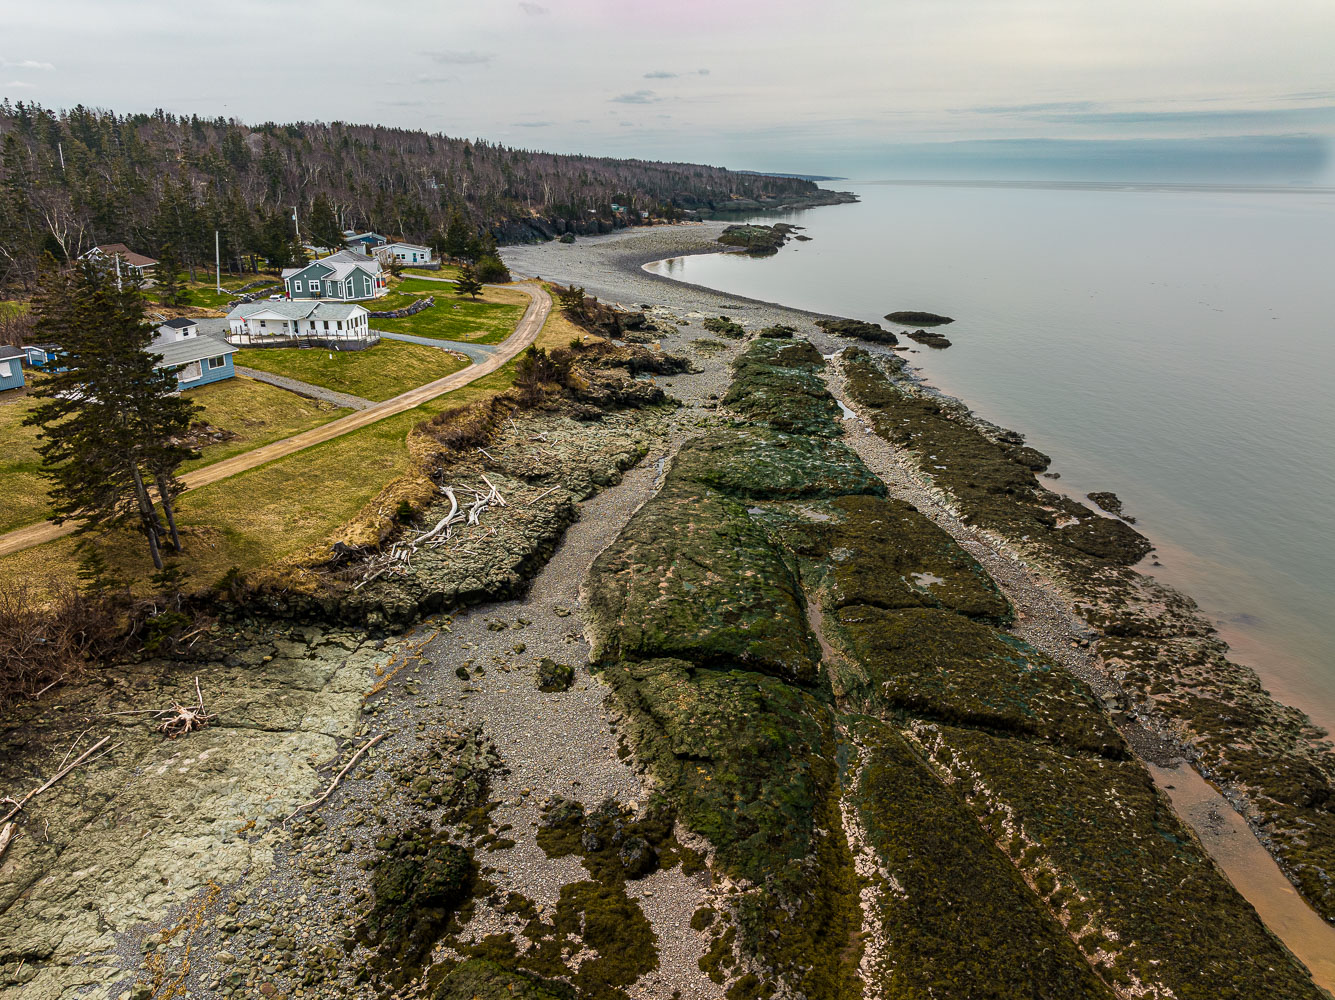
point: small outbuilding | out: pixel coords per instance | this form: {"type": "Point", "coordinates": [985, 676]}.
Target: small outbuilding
{"type": "Point", "coordinates": [11, 368]}
{"type": "Point", "coordinates": [45, 356]}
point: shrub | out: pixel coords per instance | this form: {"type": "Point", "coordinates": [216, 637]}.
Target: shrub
{"type": "Point", "coordinates": [492, 270]}
{"type": "Point", "coordinates": [49, 638]}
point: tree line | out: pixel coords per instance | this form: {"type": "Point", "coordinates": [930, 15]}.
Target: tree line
{"type": "Point", "coordinates": [75, 178]}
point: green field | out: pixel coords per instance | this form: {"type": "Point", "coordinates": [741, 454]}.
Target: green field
{"type": "Point", "coordinates": [377, 373]}
{"type": "Point", "coordinates": [489, 320]}
{"type": "Point", "coordinates": [255, 412]}
{"type": "Point", "coordinates": [446, 271]}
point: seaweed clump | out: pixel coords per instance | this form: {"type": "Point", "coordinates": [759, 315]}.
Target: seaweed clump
{"type": "Point", "coordinates": [858, 330]}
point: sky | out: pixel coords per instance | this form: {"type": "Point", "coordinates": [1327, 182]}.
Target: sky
{"type": "Point", "coordinates": [1159, 89]}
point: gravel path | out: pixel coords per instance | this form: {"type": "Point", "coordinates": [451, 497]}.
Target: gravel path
{"type": "Point", "coordinates": [474, 352]}
{"type": "Point", "coordinates": [307, 389]}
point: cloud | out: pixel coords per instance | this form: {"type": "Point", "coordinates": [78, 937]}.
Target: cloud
{"type": "Point", "coordinates": [454, 58]}
{"type": "Point", "coordinates": [24, 64]}
{"type": "Point", "coordinates": [534, 9]}
{"type": "Point", "coordinates": [428, 78]}
{"type": "Point", "coordinates": [638, 97]}
{"type": "Point", "coordinates": [19, 85]}
{"type": "Point", "coordinates": [663, 74]}
{"type": "Point", "coordinates": [1026, 109]}
{"type": "Point", "coordinates": [531, 124]}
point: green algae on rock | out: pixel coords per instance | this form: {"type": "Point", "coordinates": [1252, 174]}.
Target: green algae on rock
{"type": "Point", "coordinates": [481, 979]}
{"type": "Point", "coordinates": [775, 385]}
{"type": "Point", "coordinates": [1132, 885]}
{"type": "Point", "coordinates": [760, 464]}
{"type": "Point", "coordinates": [882, 552]}
{"type": "Point", "coordinates": [936, 665]}
{"type": "Point", "coordinates": [715, 602]}
{"type": "Point", "coordinates": [958, 919]}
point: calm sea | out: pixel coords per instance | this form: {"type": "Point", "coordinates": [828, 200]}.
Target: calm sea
{"type": "Point", "coordinates": [1174, 346]}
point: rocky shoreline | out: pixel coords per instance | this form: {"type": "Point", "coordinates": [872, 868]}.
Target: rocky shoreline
{"type": "Point", "coordinates": [740, 695]}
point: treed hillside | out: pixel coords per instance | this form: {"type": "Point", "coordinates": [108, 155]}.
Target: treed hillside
{"type": "Point", "coordinates": [160, 182]}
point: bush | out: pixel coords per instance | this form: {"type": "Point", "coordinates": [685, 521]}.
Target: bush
{"type": "Point", "coordinates": [492, 271]}
{"type": "Point", "coordinates": [46, 639]}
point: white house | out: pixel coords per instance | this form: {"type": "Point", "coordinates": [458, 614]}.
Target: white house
{"type": "Point", "coordinates": [407, 253]}
{"type": "Point", "coordinates": [269, 323]}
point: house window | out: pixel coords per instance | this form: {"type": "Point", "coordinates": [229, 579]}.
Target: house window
{"type": "Point", "coordinates": [261, 324]}
{"type": "Point", "coordinates": [326, 324]}
{"type": "Point", "coordinates": [329, 288]}
{"type": "Point", "coordinates": [340, 324]}
{"type": "Point", "coordinates": [296, 285]}
{"type": "Point", "coordinates": [218, 362]}
{"type": "Point", "coordinates": [5, 370]}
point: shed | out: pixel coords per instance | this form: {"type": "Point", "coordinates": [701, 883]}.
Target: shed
{"type": "Point", "coordinates": [11, 368]}
{"type": "Point", "coordinates": [196, 360]}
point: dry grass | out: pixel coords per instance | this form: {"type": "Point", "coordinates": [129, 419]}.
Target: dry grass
{"type": "Point", "coordinates": [50, 635]}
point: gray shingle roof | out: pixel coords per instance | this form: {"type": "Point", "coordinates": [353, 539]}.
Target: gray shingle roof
{"type": "Point", "coordinates": [181, 323]}
{"type": "Point", "coordinates": [296, 309]}
{"type": "Point", "coordinates": [6, 353]}
{"type": "Point", "coordinates": [182, 352]}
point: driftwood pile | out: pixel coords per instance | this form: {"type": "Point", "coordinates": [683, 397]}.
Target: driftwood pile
{"type": "Point", "coordinates": [397, 561]}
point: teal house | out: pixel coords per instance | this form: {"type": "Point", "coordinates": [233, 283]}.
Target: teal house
{"type": "Point", "coordinates": [11, 368]}
{"type": "Point", "coordinates": [346, 276]}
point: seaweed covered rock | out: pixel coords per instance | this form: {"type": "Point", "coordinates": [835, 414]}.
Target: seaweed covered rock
{"type": "Point", "coordinates": [991, 476]}
{"type": "Point", "coordinates": [762, 464]}
{"type": "Point", "coordinates": [963, 923]}
{"type": "Point", "coordinates": [481, 979]}
{"type": "Point", "coordinates": [633, 358]}
{"type": "Point", "coordinates": [692, 576]}
{"type": "Point", "coordinates": [416, 893]}
{"type": "Point", "coordinates": [912, 317]}
{"type": "Point", "coordinates": [775, 385]}
{"type": "Point", "coordinates": [882, 552]}
{"type": "Point", "coordinates": [858, 330]}
{"type": "Point", "coordinates": [724, 327]}
{"type": "Point", "coordinates": [1106, 851]}
{"type": "Point", "coordinates": [757, 240]}
{"type": "Point", "coordinates": [937, 665]}
{"type": "Point", "coordinates": [553, 676]}
{"type": "Point", "coordinates": [748, 762]}
{"type": "Point", "coordinates": [931, 338]}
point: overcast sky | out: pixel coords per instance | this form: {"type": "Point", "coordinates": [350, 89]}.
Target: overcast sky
{"type": "Point", "coordinates": [835, 86]}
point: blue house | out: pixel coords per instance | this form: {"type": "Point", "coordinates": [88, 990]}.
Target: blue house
{"type": "Point", "coordinates": [196, 359]}
{"type": "Point", "coordinates": [11, 368]}
{"type": "Point", "coordinates": [44, 356]}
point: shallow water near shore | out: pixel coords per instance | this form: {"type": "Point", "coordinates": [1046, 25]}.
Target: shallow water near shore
{"type": "Point", "coordinates": [1171, 346]}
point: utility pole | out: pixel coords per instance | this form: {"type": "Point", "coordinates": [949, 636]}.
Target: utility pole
{"type": "Point", "coordinates": [118, 272]}
{"type": "Point", "coordinates": [217, 259]}
{"type": "Point", "coordinates": [60, 148]}
{"type": "Point", "coordinates": [296, 225]}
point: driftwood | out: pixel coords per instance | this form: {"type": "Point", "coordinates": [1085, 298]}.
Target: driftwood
{"type": "Point", "coordinates": [64, 770]}
{"type": "Point", "coordinates": [178, 719]}
{"type": "Point", "coordinates": [398, 560]}
{"type": "Point", "coordinates": [338, 777]}
{"type": "Point", "coordinates": [6, 835]}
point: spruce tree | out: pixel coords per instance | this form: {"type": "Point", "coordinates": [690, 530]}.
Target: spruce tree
{"type": "Point", "coordinates": [322, 225]}
{"type": "Point", "coordinates": [457, 237]}
{"type": "Point", "coordinates": [168, 279]}
{"type": "Point", "coordinates": [467, 283]}
{"type": "Point", "coordinates": [107, 420]}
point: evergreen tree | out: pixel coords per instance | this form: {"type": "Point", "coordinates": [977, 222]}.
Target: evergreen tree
{"type": "Point", "coordinates": [492, 270]}
{"type": "Point", "coordinates": [168, 278]}
{"type": "Point", "coordinates": [467, 283]}
{"type": "Point", "coordinates": [322, 225]}
{"type": "Point", "coordinates": [106, 421]}
{"type": "Point", "coordinates": [457, 237]}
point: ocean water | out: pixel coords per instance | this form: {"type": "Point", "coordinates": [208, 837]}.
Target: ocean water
{"type": "Point", "coordinates": [1176, 346]}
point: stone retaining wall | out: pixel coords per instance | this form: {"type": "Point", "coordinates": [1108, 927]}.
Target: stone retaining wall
{"type": "Point", "coordinates": [411, 310]}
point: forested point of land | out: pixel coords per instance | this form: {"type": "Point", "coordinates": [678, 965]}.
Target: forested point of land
{"type": "Point", "coordinates": [163, 183]}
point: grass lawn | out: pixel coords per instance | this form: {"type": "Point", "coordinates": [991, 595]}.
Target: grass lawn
{"type": "Point", "coordinates": [488, 320]}
{"type": "Point", "coordinates": [445, 271]}
{"type": "Point", "coordinates": [22, 486]}
{"type": "Point", "coordinates": [377, 373]}
{"type": "Point", "coordinates": [260, 516]}
{"type": "Point", "coordinates": [256, 413]}
{"type": "Point", "coordinates": [204, 293]}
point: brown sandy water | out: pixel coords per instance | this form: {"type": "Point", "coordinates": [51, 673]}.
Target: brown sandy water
{"type": "Point", "coordinates": [1251, 869]}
